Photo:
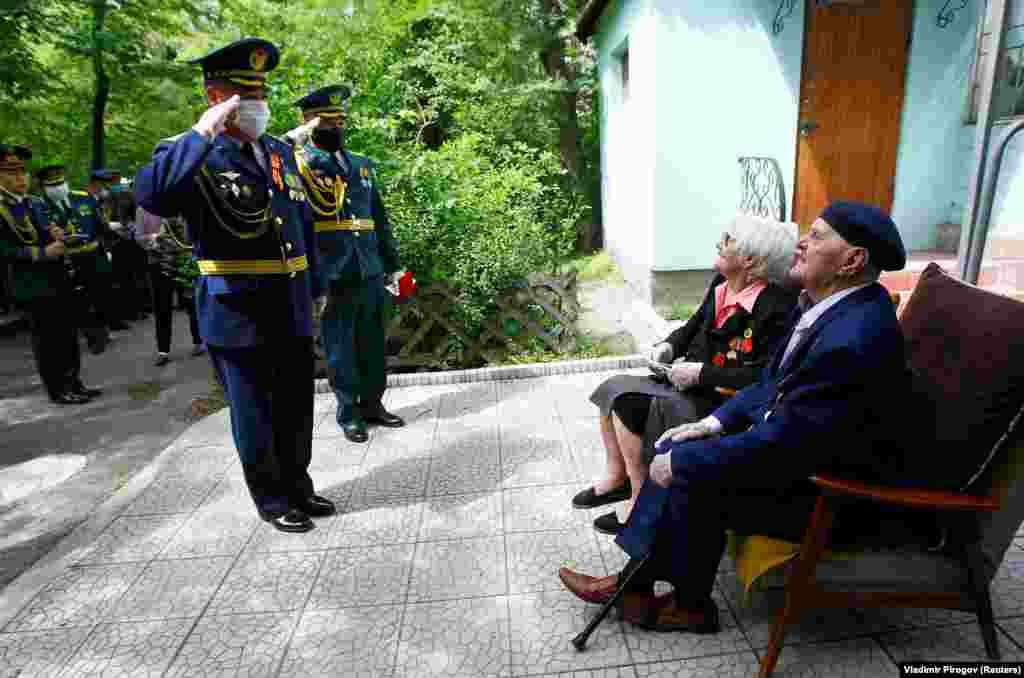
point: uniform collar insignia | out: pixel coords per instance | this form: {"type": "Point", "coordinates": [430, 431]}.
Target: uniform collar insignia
{"type": "Point", "coordinates": [230, 176]}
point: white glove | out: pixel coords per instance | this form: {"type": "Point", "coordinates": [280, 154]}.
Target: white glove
{"type": "Point", "coordinates": [300, 135]}
{"type": "Point", "coordinates": [213, 120]}
{"type": "Point", "coordinates": [321, 304]}
{"type": "Point", "coordinates": [660, 353]}
{"type": "Point", "coordinates": [685, 375]}
{"type": "Point", "coordinates": [661, 469]}
{"type": "Point", "coordinates": [392, 284]}
{"type": "Point", "coordinates": [115, 226]}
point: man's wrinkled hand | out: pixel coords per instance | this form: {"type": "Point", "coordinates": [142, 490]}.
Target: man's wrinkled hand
{"type": "Point", "coordinates": [214, 120]}
{"type": "Point", "coordinates": [684, 432]}
{"type": "Point", "coordinates": [685, 375]}
{"type": "Point", "coordinates": [56, 233]}
{"type": "Point", "coordinates": [54, 249]}
{"type": "Point", "coordinates": [300, 135]}
{"type": "Point", "coordinates": [661, 469]}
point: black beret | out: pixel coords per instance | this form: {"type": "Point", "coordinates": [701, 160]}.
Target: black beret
{"type": "Point", "coordinates": [14, 155]}
{"type": "Point", "coordinates": [51, 175]}
{"type": "Point", "coordinates": [326, 101]}
{"type": "Point", "coordinates": [245, 62]}
{"type": "Point", "coordinates": [868, 227]}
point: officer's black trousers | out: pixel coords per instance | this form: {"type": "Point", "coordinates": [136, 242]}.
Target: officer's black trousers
{"type": "Point", "coordinates": [270, 392]}
{"type": "Point", "coordinates": [163, 287]}
{"type": "Point", "coordinates": [55, 344]}
{"type": "Point", "coordinates": [130, 264]}
{"type": "Point", "coordinates": [352, 332]}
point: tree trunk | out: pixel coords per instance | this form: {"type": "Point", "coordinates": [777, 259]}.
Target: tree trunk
{"type": "Point", "coordinates": [102, 93]}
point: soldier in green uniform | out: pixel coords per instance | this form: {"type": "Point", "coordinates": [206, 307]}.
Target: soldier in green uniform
{"type": "Point", "coordinates": [358, 258]}
{"type": "Point", "coordinates": [79, 216]}
{"type": "Point", "coordinates": [35, 250]}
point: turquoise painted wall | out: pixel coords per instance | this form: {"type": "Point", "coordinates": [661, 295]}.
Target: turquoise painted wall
{"type": "Point", "coordinates": [930, 182]}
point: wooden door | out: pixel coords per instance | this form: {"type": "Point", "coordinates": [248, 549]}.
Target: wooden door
{"type": "Point", "coordinates": [855, 58]}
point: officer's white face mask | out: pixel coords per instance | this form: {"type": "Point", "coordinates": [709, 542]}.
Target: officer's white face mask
{"type": "Point", "coordinates": [253, 117]}
{"type": "Point", "coordinates": [58, 194]}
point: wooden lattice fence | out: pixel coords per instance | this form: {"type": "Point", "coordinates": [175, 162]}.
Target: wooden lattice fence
{"type": "Point", "coordinates": [543, 307]}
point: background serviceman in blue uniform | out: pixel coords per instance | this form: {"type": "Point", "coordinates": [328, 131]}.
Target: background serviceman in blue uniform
{"type": "Point", "coordinates": [252, 233]}
{"type": "Point", "coordinates": [358, 258]}
{"type": "Point", "coordinates": [35, 250]}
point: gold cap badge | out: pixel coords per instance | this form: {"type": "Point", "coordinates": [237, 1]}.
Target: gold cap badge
{"type": "Point", "coordinates": [258, 59]}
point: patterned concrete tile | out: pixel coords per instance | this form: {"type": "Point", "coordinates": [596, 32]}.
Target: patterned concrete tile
{"type": "Point", "coordinates": [385, 477]}
{"type": "Point", "coordinates": [337, 484]}
{"type": "Point", "coordinates": [409, 442]}
{"type": "Point", "coordinates": [367, 522]}
{"type": "Point", "coordinates": [890, 619]}
{"type": "Point", "coordinates": [614, 558]}
{"type": "Point", "coordinates": [536, 456]}
{"type": "Point", "coordinates": [266, 538]}
{"type": "Point", "coordinates": [458, 466]}
{"type": "Point", "coordinates": [202, 461]}
{"type": "Point", "coordinates": [757, 615]}
{"type": "Point", "coordinates": [543, 624]}
{"type": "Point", "coordinates": [135, 649]}
{"type": "Point", "coordinates": [1014, 628]}
{"type": "Point", "coordinates": [375, 575]}
{"type": "Point", "coordinates": [1007, 587]}
{"type": "Point", "coordinates": [267, 582]}
{"type": "Point", "coordinates": [531, 509]}
{"type": "Point", "coordinates": [742, 665]}
{"type": "Point", "coordinates": [38, 654]}
{"type": "Point", "coordinates": [249, 645]}
{"type": "Point", "coordinates": [616, 672]}
{"type": "Point", "coordinates": [945, 644]}
{"type": "Point", "coordinates": [588, 453]}
{"type": "Point", "coordinates": [173, 494]}
{"type": "Point", "coordinates": [78, 597]}
{"type": "Point", "coordinates": [857, 658]}
{"type": "Point", "coordinates": [331, 454]}
{"type": "Point", "coordinates": [534, 558]}
{"type": "Point", "coordinates": [665, 646]}
{"type": "Point", "coordinates": [469, 401]}
{"type": "Point", "coordinates": [416, 404]}
{"type": "Point", "coordinates": [459, 516]}
{"type": "Point", "coordinates": [230, 495]}
{"type": "Point", "coordinates": [209, 532]}
{"type": "Point", "coordinates": [361, 641]}
{"type": "Point", "coordinates": [132, 538]}
{"type": "Point", "coordinates": [455, 639]}
{"type": "Point", "coordinates": [458, 569]}
{"type": "Point", "coordinates": [172, 588]}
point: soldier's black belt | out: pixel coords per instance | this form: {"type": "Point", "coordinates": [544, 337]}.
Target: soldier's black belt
{"type": "Point", "coordinates": [252, 266]}
{"type": "Point", "coordinates": [344, 225]}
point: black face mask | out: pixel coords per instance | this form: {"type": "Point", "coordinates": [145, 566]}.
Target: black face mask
{"type": "Point", "coordinates": [329, 139]}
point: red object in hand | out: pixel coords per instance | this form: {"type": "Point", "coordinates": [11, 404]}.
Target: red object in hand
{"type": "Point", "coordinates": [406, 285]}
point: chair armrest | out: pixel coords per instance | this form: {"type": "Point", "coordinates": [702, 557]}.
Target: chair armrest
{"type": "Point", "coordinates": [933, 499]}
{"type": "Point", "coordinates": [727, 392]}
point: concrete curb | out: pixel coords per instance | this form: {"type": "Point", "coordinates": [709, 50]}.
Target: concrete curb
{"type": "Point", "coordinates": [506, 372]}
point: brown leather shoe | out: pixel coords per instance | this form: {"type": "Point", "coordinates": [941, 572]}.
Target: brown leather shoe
{"type": "Point", "coordinates": [659, 613]}
{"type": "Point", "coordinates": [597, 590]}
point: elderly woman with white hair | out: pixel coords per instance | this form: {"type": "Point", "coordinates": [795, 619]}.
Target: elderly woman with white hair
{"type": "Point", "coordinates": [723, 345]}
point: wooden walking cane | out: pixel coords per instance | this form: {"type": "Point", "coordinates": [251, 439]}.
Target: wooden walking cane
{"type": "Point", "coordinates": [580, 641]}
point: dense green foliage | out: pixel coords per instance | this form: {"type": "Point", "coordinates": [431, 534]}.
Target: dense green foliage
{"type": "Point", "coordinates": [479, 113]}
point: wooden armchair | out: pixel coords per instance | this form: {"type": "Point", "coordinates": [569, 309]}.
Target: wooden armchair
{"type": "Point", "coordinates": [974, 372]}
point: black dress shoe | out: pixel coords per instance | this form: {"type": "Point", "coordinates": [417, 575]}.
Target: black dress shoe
{"type": "Point", "coordinates": [384, 418]}
{"type": "Point", "coordinates": [588, 499]}
{"type": "Point", "coordinates": [317, 506]}
{"type": "Point", "coordinates": [355, 430]}
{"type": "Point", "coordinates": [69, 399]}
{"type": "Point", "coordinates": [608, 524]}
{"type": "Point", "coordinates": [293, 521]}
{"type": "Point", "coordinates": [80, 389]}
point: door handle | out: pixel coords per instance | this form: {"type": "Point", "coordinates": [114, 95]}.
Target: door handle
{"type": "Point", "coordinates": [806, 127]}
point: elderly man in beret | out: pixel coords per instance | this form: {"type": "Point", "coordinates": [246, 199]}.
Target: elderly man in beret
{"type": "Point", "coordinates": [825, 403]}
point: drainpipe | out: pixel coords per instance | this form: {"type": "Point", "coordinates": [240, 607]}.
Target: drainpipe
{"type": "Point", "coordinates": [985, 208]}
{"type": "Point", "coordinates": [973, 227]}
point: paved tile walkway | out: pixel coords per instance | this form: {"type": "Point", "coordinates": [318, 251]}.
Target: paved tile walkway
{"type": "Point", "coordinates": [441, 562]}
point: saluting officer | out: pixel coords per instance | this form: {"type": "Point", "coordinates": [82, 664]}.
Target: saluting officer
{"type": "Point", "coordinates": [78, 214]}
{"type": "Point", "coordinates": [252, 235]}
{"type": "Point", "coordinates": [357, 254]}
{"type": "Point", "coordinates": [35, 250]}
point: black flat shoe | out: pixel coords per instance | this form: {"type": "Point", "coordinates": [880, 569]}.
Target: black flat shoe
{"type": "Point", "coordinates": [317, 506]}
{"type": "Point", "coordinates": [588, 499]}
{"type": "Point", "coordinates": [355, 430]}
{"type": "Point", "coordinates": [608, 524]}
{"type": "Point", "coordinates": [69, 399]}
{"type": "Point", "coordinates": [293, 521]}
{"type": "Point", "coordinates": [384, 418]}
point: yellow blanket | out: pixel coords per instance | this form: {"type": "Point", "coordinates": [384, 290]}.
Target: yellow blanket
{"type": "Point", "coordinates": [755, 555]}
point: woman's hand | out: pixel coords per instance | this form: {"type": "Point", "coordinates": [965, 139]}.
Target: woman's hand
{"type": "Point", "coordinates": [685, 375]}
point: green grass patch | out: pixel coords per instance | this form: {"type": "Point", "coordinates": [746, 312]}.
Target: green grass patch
{"type": "Point", "coordinates": [680, 311]}
{"type": "Point", "coordinates": [145, 391]}
{"type": "Point", "coordinates": [597, 267]}
{"type": "Point", "coordinates": [212, 402]}
{"type": "Point", "coordinates": [585, 348]}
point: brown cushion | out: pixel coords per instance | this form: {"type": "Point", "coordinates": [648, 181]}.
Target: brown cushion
{"type": "Point", "coordinates": [966, 350]}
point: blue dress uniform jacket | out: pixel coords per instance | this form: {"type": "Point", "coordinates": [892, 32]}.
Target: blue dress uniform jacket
{"type": "Point", "coordinates": [831, 407]}
{"type": "Point", "coordinates": [356, 243]}
{"type": "Point", "coordinates": [194, 177]}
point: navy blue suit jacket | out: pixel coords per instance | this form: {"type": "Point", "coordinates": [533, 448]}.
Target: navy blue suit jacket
{"type": "Point", "coordinates": [834, 406]}
{"type": "Point", "coordinates": [238, 310]}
